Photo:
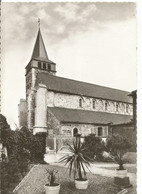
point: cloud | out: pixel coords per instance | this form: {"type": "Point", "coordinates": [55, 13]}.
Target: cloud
{"type": "Point", "coordinates": [67, 11]}
{"type": "Point", "coordinates": [89, 9]}
{"type": "Point", "coordinates": [42, 14]}
{"type": "Point", "coordinates": [58, 20]}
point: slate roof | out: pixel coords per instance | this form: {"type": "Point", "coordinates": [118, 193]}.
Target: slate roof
{"type": "Point", "coordinates": [65, 115]}
{"type": "Point", "coordinates": [39, 48]}
{"type": "Point", "coordinates": [70, 86]}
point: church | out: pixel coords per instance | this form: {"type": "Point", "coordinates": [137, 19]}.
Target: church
{"type": "Point", "coordinates": [63, 107]}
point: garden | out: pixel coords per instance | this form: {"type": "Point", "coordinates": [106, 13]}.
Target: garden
{"type": "Point", "coordinates": [71, 175]}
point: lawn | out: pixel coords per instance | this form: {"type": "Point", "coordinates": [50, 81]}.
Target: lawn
{"type": "Point", "coordinates": [34, 183]}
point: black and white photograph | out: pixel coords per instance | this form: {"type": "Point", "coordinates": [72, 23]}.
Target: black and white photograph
{"type": "Point", "coordinates": [68, 118]}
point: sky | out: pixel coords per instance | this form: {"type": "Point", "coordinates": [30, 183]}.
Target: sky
{"type": "Point", "coordinates": [91, 42]}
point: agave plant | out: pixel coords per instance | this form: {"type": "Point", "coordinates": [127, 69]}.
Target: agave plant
{"type": "Point", "coordinates": [76, 160]}
{"type": "Point", "coordinates": [51, 176]}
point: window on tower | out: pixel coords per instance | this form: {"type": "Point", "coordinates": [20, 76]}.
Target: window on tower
{"type": "Point", "coordinates": [39, 64]}
{"type": "Point", "coordinates": [44, 65]}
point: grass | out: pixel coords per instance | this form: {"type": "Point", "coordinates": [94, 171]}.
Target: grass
{"type": "Point", "coordinates": [37, 178]}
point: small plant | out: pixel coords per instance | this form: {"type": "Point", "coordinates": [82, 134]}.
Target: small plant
{"type": "Point", "coordinates": [118, 146]}
{"type": "Point", "coordinates": [51, 177]}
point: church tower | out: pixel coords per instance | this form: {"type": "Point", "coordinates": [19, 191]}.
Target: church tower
{"type": "Point", "coordinates": [39, 63]}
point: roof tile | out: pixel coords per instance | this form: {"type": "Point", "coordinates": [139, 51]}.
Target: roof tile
{"type": "Point", "coordinates": [88, 117]}
{"type": "Point", "coordinates": [65, 85]}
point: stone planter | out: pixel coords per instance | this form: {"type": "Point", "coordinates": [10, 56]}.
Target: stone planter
{"type": "Point", "coordinates": [121, 178]}
{"type": "Point", "coordinates": [120, 173]}
{"type": "Point", "coordinates": [52, 189]}
{"type": "Point", "coordinates": [81, 184]}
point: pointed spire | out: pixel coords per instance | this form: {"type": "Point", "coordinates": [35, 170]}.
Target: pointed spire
{"type": "Point", "coordinates": [39, 23]}
{"type": "Point", "coordinates": [39, 50]}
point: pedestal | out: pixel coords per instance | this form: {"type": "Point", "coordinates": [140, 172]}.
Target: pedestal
{"type": "Point", "coordinates": [124, 182]}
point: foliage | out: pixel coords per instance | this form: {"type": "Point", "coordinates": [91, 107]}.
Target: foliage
{"type": "Point", "coordinates": [118, 146]}
{"type": "Point", "coordinates": [33, 146]}
{"type": "Point", "coordinates": [51, 176]}
{"type": "Point", "coordinates": [93, 147]}
{"type": "Point", "coordinates": [40, 142]}
{"type": "Point", "coordinates": [4, 130]}
{"type": "Point", "coordinates": [76, 160]}
{"type": "Point", "coordinates": [23, 148]}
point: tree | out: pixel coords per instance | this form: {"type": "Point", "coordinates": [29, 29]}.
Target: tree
{"type": "Point", "coordinates": [118, 146]}
{"type": "Point", "coordinates": [23, 148]}
{"type": "Point", "coordinates": [9, 167]}
{"type": "Point", "coordinates": [4, 130]}
{"type": "Point", "coordinates": [93, 147]}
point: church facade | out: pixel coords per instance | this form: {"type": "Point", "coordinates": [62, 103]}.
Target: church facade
{"type": "Point", "coordinates": [62, 107]}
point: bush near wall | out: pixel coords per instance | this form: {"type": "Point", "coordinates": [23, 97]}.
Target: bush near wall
{"type": "Point", "coordinates": [40, 141]}
{"type": "Point", "coordinates": [93, 147]}
{"type": "Point", "coordinates": [23, 149]}
{"type": "Point", "coordinates": [127, 130]}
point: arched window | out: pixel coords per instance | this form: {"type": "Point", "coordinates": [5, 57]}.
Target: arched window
{"type": "Point", "coordinates": [127, 108]}
{"type": "Point", "coordinates": [94, 104]}
{"type": "Point", "coordinates": [116, 107]}
{"type": "Point", "coordinates": [106, 105]}
{"type": "Point", "coordinates": [75, 131]}
{"type": "Point", "coordinates": [123, 107]}
{"type": "Point", "coordinates": [49, 66]}
{"type": "Point", "coordinates": [44, 65]}
{"type": "Point", "coordinates": [39, 64]}
{"type": "Point", "coordinates": [80, 102]}
{"type": "Point", "coordinates": [100, 131]}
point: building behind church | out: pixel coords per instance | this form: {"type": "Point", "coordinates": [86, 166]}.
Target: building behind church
{"type": "Point", "coordinates": [62, 107]}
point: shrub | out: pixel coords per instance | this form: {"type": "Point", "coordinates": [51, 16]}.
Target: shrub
{"type": "Point", "coordinates": [40, 142]}
{"type": "Point", "coordinates": [23, 148]}
{"type": "Point", "coordinates": [118, 146]}
{"type": "Point", "coordinates": [93, 147]}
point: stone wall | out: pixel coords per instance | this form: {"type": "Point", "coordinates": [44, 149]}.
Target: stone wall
{"type": "Point", "coordinates": [22, 112]}
{"type": "Point", "coordinates": [30, 108]}
{"type": "Point", "coordinates": [63, 132]}
{"type": "Point", "coordinates": [53, 125]}
{"type": "Point", "coordinates": [83, 129]}
{"type": "Point", "coordinates": [55, 99]}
